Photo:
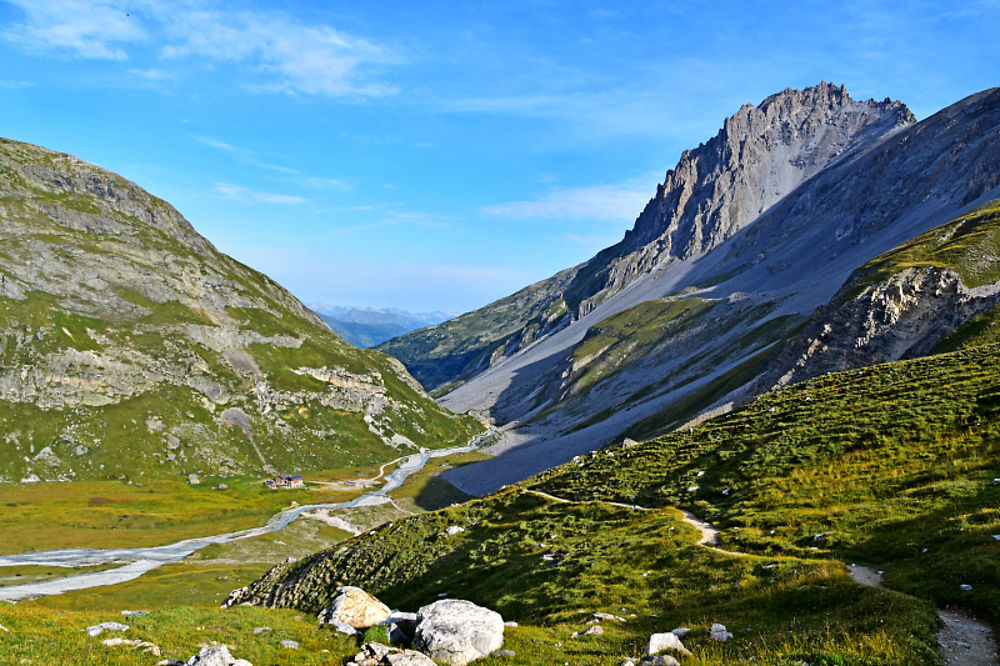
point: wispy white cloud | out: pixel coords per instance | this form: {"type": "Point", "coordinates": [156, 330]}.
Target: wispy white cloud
{"type": "Point", "coordinates": [279, 52]}
{"type": "Point", "coordinates": [301, 58]}
{"type": "Point", "coordinates": [86, 28]}
{"type": "Point", "coordinates": [247, 196]}
{"type": "Point", "coordinates": [249, 157]}
{"type": "Point", "coordinates": [152, 74]}
{"type": "Point", "coordinates": [614, 202]}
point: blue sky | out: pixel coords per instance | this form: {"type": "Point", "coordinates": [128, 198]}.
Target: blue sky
{"type": "Point", "coordinates": [439, 155]}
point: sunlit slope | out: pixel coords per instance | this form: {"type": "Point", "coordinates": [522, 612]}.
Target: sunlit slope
{"type": "Point", "coordinates": [891, 466]}
{"type": "Point", "coordinates": [129, 346]}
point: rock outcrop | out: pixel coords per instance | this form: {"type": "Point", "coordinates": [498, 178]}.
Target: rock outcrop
{"type": "Point", "coordinates": [376, 654]}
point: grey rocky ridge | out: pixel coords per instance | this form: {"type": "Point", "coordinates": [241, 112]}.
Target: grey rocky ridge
{"type": "Point", "coordinates": [131, 347]}
{"type": "Point", "coordinates": [761, 154]}
{"type": "Point", "coordinates": [744, 239]}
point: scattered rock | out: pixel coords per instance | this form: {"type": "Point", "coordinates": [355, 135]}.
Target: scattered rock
{"type": "Point", "coordinates": [221, 486]}
{"type": "Point", "coordinates": [291, 645]}
{"type": "Point", "coordinates": [659, 660]}
{"type": "Point", "coordinates": [596, 630]}
{"type": "Point", "coordinates": [666, 641]}
{"type": "Point", "coordinates": [718, 632]}
{"type": "Point", "coordinates": [454, 529]}
{"type": "Point", "coordinates": [965, 587]}
{"type": "Point", "coordinates": [407, 658]}
{"type": "Point", "coordinates": [142, 646]}
{"type": "Point", "coordinates": [169, 662]}
{"type": "Point", "coordinates": [601, 617]}
{"type": "Point", "coordinates": [681, 632]}
{"type": "Point", "coordinates": [131, 613]}
{"type": "Point", "coordinates": [98, 629]}
{"type": "Point", "coordinates": [354, 607]}
{"type": "Point", "coordinates": [627, 662]}
{"type": "Point", "coordinates": [510, 623]}
{"type": "Point", "coordinates": [193, 479]}
{"type": "Point", "coordinates": [260, 630]}
{"type": "Point", "coordinates": [217, 655]}
{"type": "Point", "coordinates": [376, 654]}
{"type": "Point", "coordinates": [505, 653]}
{"type": "Point", "coordinates": [456, 632]}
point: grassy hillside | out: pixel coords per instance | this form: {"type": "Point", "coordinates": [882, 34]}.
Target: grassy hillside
{"type": "Point", "coordinates": [891, 466]}
{"type": "Point", "coordinates": [130, 348]}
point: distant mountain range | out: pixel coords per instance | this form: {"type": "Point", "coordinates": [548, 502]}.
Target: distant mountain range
{"type": "Point", "coordinates": [706, 300]}
{"type": "Point", "coordinates": [370, 327]}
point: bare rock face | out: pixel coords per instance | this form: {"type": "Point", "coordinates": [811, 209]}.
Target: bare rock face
{"type": "Point", "coordinates": [901, 317]}
{"type": "Point", "coordinates": [354, 607]}
{"type": "Point", "coordinates": [760, 155]}
{"type": "Point", "coordinates": [456, 632]}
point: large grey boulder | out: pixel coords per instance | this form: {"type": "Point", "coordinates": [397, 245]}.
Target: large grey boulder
{"type": "Point", "coordinates": [456, 632]}
{"type": "Point", "coordinates": [354, 607]}
{"type": "Point", "coordinates": [217, 655]}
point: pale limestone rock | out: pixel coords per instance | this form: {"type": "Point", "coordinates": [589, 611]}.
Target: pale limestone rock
{"type": "Point", "coordinates": [354, 607]}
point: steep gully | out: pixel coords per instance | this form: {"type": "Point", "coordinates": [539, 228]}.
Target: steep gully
{"type": "Point", "coordinates": [143, 560]}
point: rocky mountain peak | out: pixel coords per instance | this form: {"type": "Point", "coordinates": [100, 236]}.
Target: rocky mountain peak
{"type": "Point", "coordinates": [761, 154]}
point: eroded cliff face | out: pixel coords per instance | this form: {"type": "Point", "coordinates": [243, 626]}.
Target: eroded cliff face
{"type": "Point", "coordinates": [899, 318]}
{"type": "Point", "coordinates": [116, 315]}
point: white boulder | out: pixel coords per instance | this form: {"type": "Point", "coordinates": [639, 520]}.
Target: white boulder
{"type": "Point", "coordinates": [456, 632]}
{"type": "Point", "coordinates": [666, 641]}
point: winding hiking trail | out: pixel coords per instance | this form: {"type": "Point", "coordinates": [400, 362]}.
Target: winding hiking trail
{"type": "Point", "coordinates": [962, 640]}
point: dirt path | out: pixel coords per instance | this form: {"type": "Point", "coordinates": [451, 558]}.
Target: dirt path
{"type": "Point", "coordinates": [563, 500]}
{"type": "Point", "coordinates": [962, 641]}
